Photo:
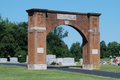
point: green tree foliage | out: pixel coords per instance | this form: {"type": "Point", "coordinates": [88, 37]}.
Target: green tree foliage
{"type": "Point", "coordinates": [59, 31]}
{"type": "Point", "coordinates": [13, 38]}
{"type": "Point", "coordinates": [76, 51]}
{"type": "Point", "coordinates": [111, 49]}
{"type": "Point", "coordinates": [55, 44]}
{"type": "Point", "coordinates": [103, 49]}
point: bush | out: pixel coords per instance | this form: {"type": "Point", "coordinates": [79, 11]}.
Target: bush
{"type": "Point", "coordinates": [55, 63]}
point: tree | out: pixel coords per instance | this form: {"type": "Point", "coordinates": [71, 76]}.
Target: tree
{"type": "Point", "coordinates": [13, 38]}
{"type": "Point", "coordinates": [113, 48]}
{"type": "Point", "coordinates": [76, 51]}
{"type": "Point", "coordinates": [103, 49]}
{"type": "Point", "coordinates": [55, 44]}
{"type": "Point", "coordinates": [59, 31]}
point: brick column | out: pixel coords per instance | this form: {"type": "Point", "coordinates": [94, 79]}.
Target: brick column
{"type": "Point", "coordinates": [36, 41]}
{"type": "Point", "coordinates": [93, 43]}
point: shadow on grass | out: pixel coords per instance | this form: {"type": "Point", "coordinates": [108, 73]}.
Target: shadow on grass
{"type": "Point", "coordinates": [66, 66]}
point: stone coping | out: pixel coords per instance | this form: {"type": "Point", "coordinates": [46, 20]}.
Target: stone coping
{"type": "Point", "coordinates": [62, 12]}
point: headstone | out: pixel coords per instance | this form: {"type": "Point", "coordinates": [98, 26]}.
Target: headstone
{"type": "Point", "coordinates": [118, 59]}
{"type": "Point", "coordinates": [14, 60]}
{"type": "Point", "coordinates": [3, 60]}
{"type": "Point", "coordinates": [60, 60]}
{"type": "Point", "coordinates": [26, 59]}
{"type": "Point", "coordinates": [68, 61]}
{"type": "Point", "coordinates": [81, 61]}
{"type": "Point", "coordinates": [111, 60]}
{"type": "Point", "coordinates": [50, 58]}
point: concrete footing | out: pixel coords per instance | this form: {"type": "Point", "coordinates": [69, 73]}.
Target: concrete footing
{"type": "Point", "coordinates": [37, 66]}
{"type": "Point", "coordinates": [91, 66]}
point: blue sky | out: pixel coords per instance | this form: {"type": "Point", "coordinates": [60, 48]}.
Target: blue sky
{"type": "Point", "coordinates": [14, 10]}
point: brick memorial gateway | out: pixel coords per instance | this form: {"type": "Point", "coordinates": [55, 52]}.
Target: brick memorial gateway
{"type": "Point", "coordinates": [42, 21]}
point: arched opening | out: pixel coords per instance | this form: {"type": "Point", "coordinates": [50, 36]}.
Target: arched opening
{"type": "Point", "coordinates": [74, 50]}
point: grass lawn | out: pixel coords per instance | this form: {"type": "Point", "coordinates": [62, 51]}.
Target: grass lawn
{"type": "Point", "coordinates": [110, 68]}
{"type": "Point", "coordinates": [78, 65]}
{"type": "Point", "coordinates": [21, 73]}
{"type": "Point", "coordinates": [108, 59]}
{"type": "Point", "coordinates": [106, 68]}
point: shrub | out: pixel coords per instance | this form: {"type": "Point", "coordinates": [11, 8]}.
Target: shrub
{"type": "Point", "coordinates": [53, 63]}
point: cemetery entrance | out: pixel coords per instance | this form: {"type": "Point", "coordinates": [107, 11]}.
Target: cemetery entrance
{"type": "Point", "coordinates": [42, 21]}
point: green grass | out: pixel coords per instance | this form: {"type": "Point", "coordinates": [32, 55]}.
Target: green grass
{"type": "Point", "coordinates": [110, 68]}
{"type": "Point", "coordinates": [106, 68]}
{"type": "Point", "coordinates": [108, 59]}
{"type": "Point", "coordinates": [78, 65]}
{"type": "Point", "coordinates": [21, 73]}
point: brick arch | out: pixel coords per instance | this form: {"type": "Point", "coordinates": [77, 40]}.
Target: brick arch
{"type": "Point", "coordinates": [79, 30]}
{"type": "Point", "coordinates": [42, 21]}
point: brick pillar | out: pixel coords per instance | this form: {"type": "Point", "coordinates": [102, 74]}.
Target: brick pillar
{"type": "Point", "coordinates": [36, 41]}
{"type": "Point", "coordinates": [93, 50]}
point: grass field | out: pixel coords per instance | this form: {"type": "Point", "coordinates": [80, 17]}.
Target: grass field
{"type": "Point", "coordinates": [106, 68]}
{"type": "Point", "coordinates": [110, 68]}
{"type": "Point", "coordinates": [108, 59]}
{"type": "Point", "coordinates": [21, 73]}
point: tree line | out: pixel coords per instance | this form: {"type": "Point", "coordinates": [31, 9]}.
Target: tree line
{"type": "Point", "coordinates": [112, 49]}
{"type": "Point", "coordinates": [14, 42]}
{"type": "Point", "coordinates": [13, 38]}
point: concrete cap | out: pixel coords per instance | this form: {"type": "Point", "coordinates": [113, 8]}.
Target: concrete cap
{"type": "Point", "coordinates": [62, 12]}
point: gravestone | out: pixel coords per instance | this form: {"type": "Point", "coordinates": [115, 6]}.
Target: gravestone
{"type": "Point", "coordinates": [111, 60]}
{"type": "Point", "coordinates": [60, 60]}
{"type": "Point", "coordinates": [63, 61]}
{"type": "Point", "coordinates": [3, 60]}
{"type": "Point", "coordinates": [118, 59]}
{"type": "Point", "coordinates": [81, 61]}
{"type": "Point", "coordinates": [68, 61]}
{"type": "Point", "coordinates": [51, 58]}
{"type": "Point", "coordinates": [14, 60]}
{"type": "Point", "coordinates": [26, 59]}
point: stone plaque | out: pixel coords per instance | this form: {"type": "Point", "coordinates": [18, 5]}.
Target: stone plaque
{"type": "Point", "coordinates": [40, 50]}
{"type": "Point", "coordinates": [66, 22]}
{"type": "Point", "coordinates": [94, 51]}
{"type": "Point", "coordinates": [66, 16]}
